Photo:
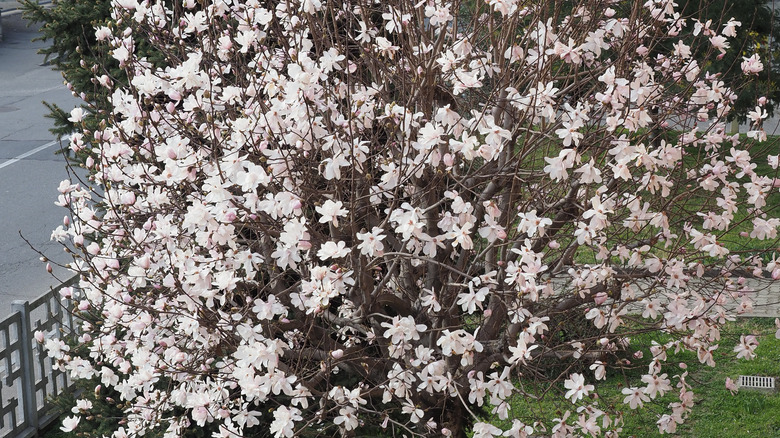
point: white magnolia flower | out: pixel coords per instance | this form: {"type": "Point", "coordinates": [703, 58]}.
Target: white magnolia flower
{"type": "Point", "coordinates": [70, 423]}
{"type": "Point", "coordinates": [331, 211]}
{"type": "Point", "coordinates": [577, 387]}
{"type": "Point", "coordinates": [333, 250]}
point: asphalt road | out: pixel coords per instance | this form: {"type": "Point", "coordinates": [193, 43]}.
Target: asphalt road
{"type": "Point", "coordinates": [29, 169]}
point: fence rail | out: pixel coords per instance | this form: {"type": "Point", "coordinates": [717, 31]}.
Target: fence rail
{"type": "Point", "coordinates": [27, 376]}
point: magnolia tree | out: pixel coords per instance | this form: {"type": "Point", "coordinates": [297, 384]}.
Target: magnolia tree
{"type": "Point", "coordinates": [366, 218]}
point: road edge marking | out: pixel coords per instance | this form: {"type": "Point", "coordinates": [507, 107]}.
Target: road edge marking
{"type": "Point", "coordinates": [33, 152]}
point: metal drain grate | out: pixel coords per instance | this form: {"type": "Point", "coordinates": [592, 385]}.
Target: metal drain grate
{"type": "Point", "coordinates": [757, 382]}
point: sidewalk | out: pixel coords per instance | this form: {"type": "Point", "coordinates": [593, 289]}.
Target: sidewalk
{"type": "Point", "coordinates": [765, 295]}
{"type": "Point", "coordinates": [763, 298]}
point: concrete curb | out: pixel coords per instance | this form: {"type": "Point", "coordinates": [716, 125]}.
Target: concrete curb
{"type": "Point", "coordinates": [10, 12]}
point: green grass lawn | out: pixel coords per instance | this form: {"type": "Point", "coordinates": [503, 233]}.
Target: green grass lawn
{"type": "Point", "coordinates": [717, 413]}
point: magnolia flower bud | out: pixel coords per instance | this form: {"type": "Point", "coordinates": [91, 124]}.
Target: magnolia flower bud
{"type": "Point", "coordinates": [93, 248]}
{"type": "Point", "coordinates": [66, 292]}
{"type": "Point", "coordinates": [337, 354]}
{"type": "Point", "coordinates": [127, 198]}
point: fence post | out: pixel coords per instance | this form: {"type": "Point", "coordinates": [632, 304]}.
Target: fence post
{"type": "Point", "coordinates": [29, 403]}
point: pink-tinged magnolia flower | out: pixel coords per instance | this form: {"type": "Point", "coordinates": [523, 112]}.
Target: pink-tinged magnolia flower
{"type": "Point", "coordinates": [485, 430]}
{"type": "Point", "coordinates": [333, 250]}
{"type": "Point", "coordinates": [347, 418]}
{"type": "Point", "coordinates": [569, 133]}
{"type": "Point", "coordinates": [599, 370]}
{"type": "Point", "coordinates": [656, 385]}
{"type": "Point", "coordinates": [556, 168]}
{"type": "Point", "coordinates": [731, 386]}
{"type": "Point", "coordinates": [746, 347]}
{"type": "Point", "coordinates": [429, 136]}
{"type": "Point", "coordinates": [330, 212]}
{"type": "Point", "coordinates": [371, 243]}
{"type": "Point", "coordinates": [102, 33]}
{"type": "Point", "coordinates": [720, 43]}
{"type": "Point", "coordinates": [651, 309]}
{"type": "Point", "coordinates": [76, 115]}
{"type": "Point", "coordinates": [577, 387]}
{"type": "Point", "coordinates": [415, 414]}
{"type": "Point", "coordinates": [69, 423]}
{"type": "Point", "coordinates": [461, 236]}
{"type": "Point", "coordinates": [82, 405]}
{"type": "Point", "coordinates": [756, 116]}
{"type": "Point", "coordinates": [635, 397]}
{"type": "Point", "coordinates": [470, 300]}
{"type": "Point", "coordinates": [522, 352]}
{"type": "Point", "coordinates": [127, 4]}
{"type": "Point", "coordinates": [752, 65]}
{"type": "Point", "coordinates": [589, 173]}
{"type": "Point", "coordinates": [284, 421]}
